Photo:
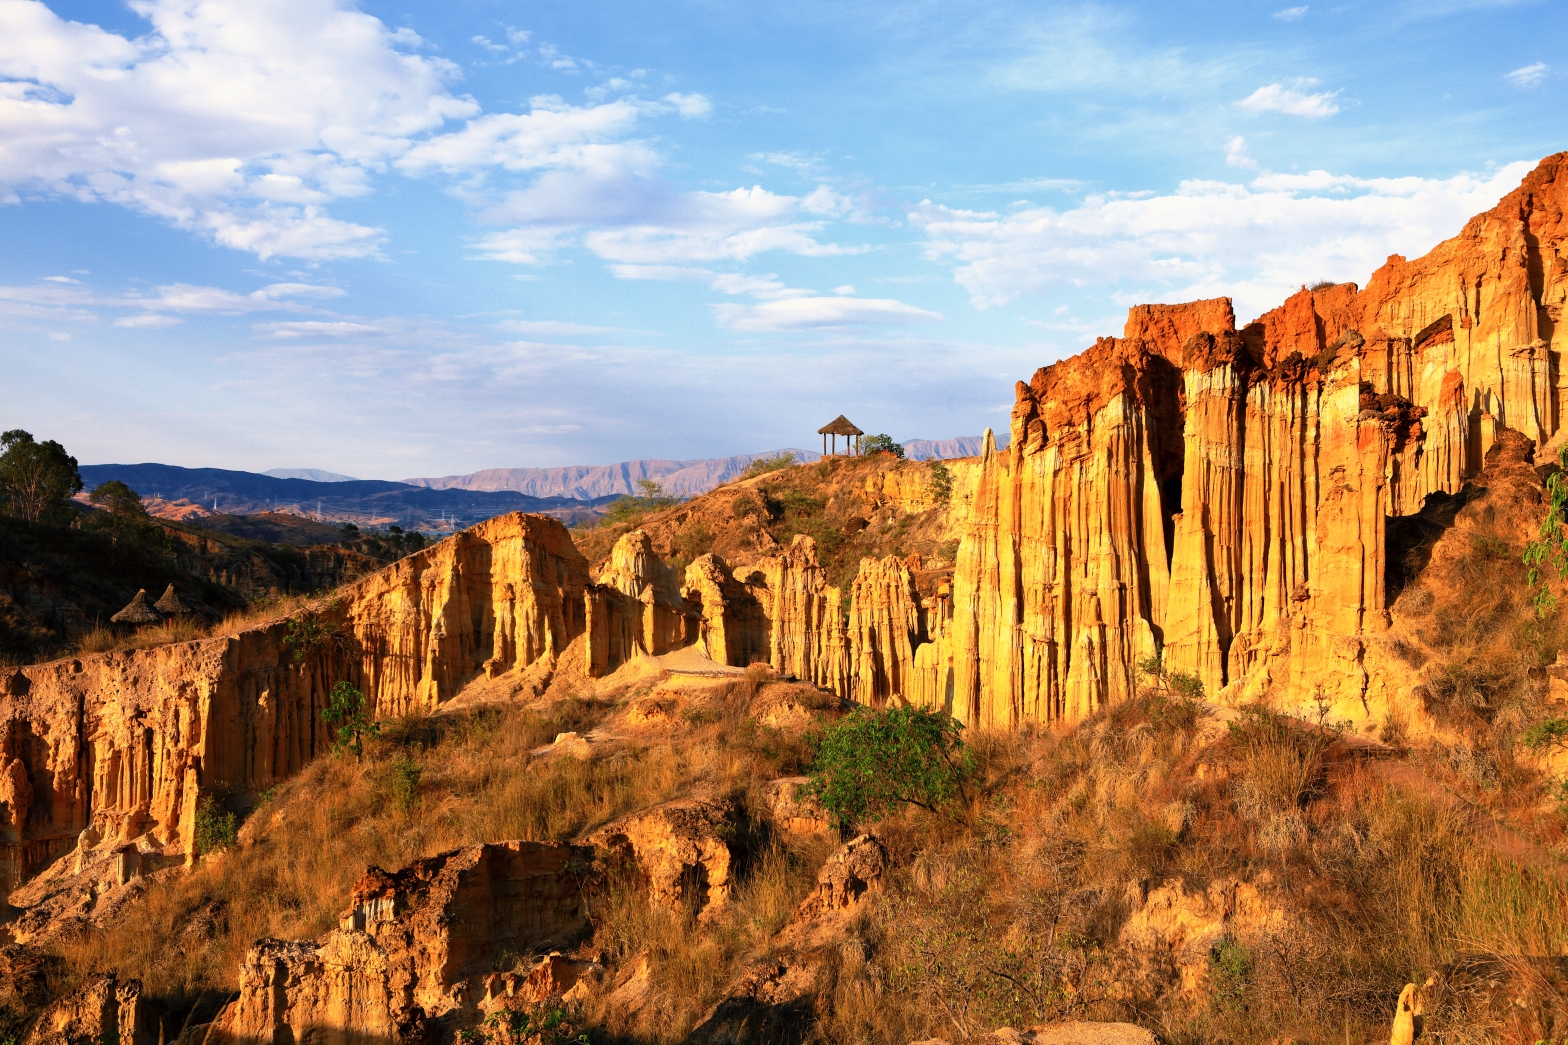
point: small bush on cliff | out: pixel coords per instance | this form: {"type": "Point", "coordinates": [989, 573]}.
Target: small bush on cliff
{"type": "Point", "coordinates": [404, 780]}
{"type": "Point", "coordinates": [941, 483]}
{"type": "Point", "coordinates": [764, 465]}
{"type": "Point", "coordinates": [881, 444]}
{"type": "Point", "coordinates": [1550, 546]}
{"type": "Point", "coordinates": [650, 498]}
{"type": "Point", "coordinates": [873, 762]}
{"type": "Point", "coordinates": [349, 719]}
{"type": "Point", "coordinates": [216, 827]}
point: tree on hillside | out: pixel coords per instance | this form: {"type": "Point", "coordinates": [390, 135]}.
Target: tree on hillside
{"type": "Point", "coordinates": [36, 478]}
{"type": "Point", "coordinates": [873, 762]}
{"type": "Point", "coordinates": [882, 443]}
{"type": "Point", "coordinates": [123, 518]}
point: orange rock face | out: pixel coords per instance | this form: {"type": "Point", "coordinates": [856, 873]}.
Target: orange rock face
{"type": "Point", "coordinates": [414, 946]}
{"type": "Point", "coordinates": [125, 742]}
{"type": "Point", "coordinates": [1222, 494]}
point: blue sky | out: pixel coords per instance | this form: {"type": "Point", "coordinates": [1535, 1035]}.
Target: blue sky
{"type": "Point", "coordinates": [406, 239]}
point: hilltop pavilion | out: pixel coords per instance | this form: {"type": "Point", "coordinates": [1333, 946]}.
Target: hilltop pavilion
{"type": "Point", "coordinates": [840, 426]}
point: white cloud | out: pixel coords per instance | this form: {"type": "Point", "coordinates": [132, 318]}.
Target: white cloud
{"type": "Point", "coordinates": [815, 313]}
{"type": "Point", "coordinates": [319, 328]}
{"type": "Point", "coordinates": [551, 328]}
{"type": "Point", "coordinates": [1278, 98]}
{"type": "Point", "coordinates": [61, 279]}
{"type": "Point", "coordinates": [1236, 155]}
{"type": "Point", "coordinates": [150, 321]}
{"type": "Point", "coordinates": [1291, 14]}
{"type": "Point", "coordinates": [845, 289]}
{"type": "Point", "coordinates": [235, 119]}
{"type": "Point", "coordinates": [1528, 76]}
{"type": "Point", "coordinates": [690, 106]}
{"type": "Point", "coordinates": [550, 136]}
{"type": "Point", "coordinates": [1256, 242]}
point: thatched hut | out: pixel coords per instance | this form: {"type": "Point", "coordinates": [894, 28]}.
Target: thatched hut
{"type": "Point", "coordinates": [138, 611]}
{"type": "Point", "coordinates": [173, 604]}
{"type": "Point", "coordinates": [840, 426]}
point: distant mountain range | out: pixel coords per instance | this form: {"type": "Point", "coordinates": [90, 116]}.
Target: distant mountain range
{"type": "Point", "coordinates": [571, 493]}
{"type": "Point", "coordinates": [315, 475]}
{"type": "Point", "coordinates": [949, 449]}
{"type": "Point", "coordinates": [679, 478]}
{"type": "Point", "coordinates": [371, 502]}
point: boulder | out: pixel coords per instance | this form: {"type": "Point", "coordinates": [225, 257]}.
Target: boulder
{"type": "Point", "coordinates": [681, 850]}
{"type": "Point", "coordinates": [421, 945]}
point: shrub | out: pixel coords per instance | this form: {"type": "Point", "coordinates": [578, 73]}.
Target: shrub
{"type": "Point", "coordinates": [1550, 546]}
{"type": "Point", "coordinates": [216, 827]}
{"type": "Point", "coordinates": [941, 483]}
{"type": "Point", "coordinates": [882, 443]}
{"type": "Point", "coordinates": [349, 719]}
{"type": "Point", "coordinates": [405, 774]}
{"type": "Point", "coordinates": [764, 465]}
{"type": "Point", "coordinates": [650, 497]}
{"type": "Point", "coordinates": [875, 761]}
{"type": "Point", "coordinates": [1230, 965]}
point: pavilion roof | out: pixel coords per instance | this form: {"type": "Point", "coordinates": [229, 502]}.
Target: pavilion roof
{"type": "Point", "coordinates": [174, 604]}
{"type": "Point", "coordinates": [137, 611]}
{"type": "Point", "coordinates": [840, 425]}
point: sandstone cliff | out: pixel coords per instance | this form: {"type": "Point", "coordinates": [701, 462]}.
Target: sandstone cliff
{"type": "Point", "coordinates": [1223, 493]}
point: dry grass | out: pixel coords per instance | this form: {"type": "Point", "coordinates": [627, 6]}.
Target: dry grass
{"type": "Point", "coordinates": [1008, 912]}
{"type": "Point", "coordinates": [304, 846]}
{"type": "Point", "coordinates": [101, 639]}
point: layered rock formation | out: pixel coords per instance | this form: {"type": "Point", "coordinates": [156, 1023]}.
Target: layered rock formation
{"type": "Point", "coordinates": [125, 742]}
{"type": "Point", "coordinates": [415, 946]}
{"type": "Point", "coordinates": [1223, 494]}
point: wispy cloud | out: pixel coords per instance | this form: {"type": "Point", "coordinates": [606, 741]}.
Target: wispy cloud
{"type": "Point", "coordinates": [817, 313]}
{"type": "Point", "coordinates": [1236, 154]}
{"type": "Point", "coordinates": [150, 321]}
{"type": "Point", "coordinates": [1528, 75]}
{"type": "Point", "coordinates": [1256, 241]}
{"type": "Point", "coordinates": [1277, 97]}
{"type": "Point", "coordinates": [1291, 14]}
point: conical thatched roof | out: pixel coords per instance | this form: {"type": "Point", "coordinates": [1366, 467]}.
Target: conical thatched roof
{"type": "Point", "coordinates": [138, 612]}
{"type": "Point", "coordinates": [176, 605]}
{"type": "Point", "coordinates": [840, 425]}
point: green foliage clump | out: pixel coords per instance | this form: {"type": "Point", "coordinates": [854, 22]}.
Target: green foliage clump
{"type": "Point", "coordinates": [941, 482]}
{"type": "Point", "coordinates": [873, 762]}
{"type": "Point", "coordinates": [350, 720]}
{"type": "Point", "coordinates": [764, 465]}
{"type": "Point", "coordinates": [392, 544]}
{"type": "Point", "coordinates": [545, 1024]}
{"type": "Point", "coordinates": [1551, 733]}
{"type": "Point", "coordinates": [123, 519]}
{"type": "Point", "coordinates": [36, 478]}
{"type": "Point", "coordinates": [405, 776]}
{"type": "Point", "coordinates": [216, 827]}
{"type": "Point", "coordinates": [1230, 966]}
{"type": "Point", "coordinates": [308, 632]}
{"type": "Point", "coordinates": [1550, 547]}
{"type": "Point", "coordinates": [650, 498]}
{"type": "Point", "coordinates": [1185, 686]}
{"type": "Point", "coordinates": [882, 443]}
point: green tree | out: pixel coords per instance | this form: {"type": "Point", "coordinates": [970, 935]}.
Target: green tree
{"type": "Point", "coordinates": [349, 718]}
{"type": "Point", "coordinates": [882, 444]}
{"type": "Point", "coordinates": [36, 478]}
{"type": "Point", "coordinates": [123, 518]}
{"type": "Point", "coordinates": [1550, 547]}
{"type": "Point", "coordinates": [873, 762]}
{"type": "Point", "coordinates": [941, 482]}
{"type": "Point", "coordinates": [650, 498]}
